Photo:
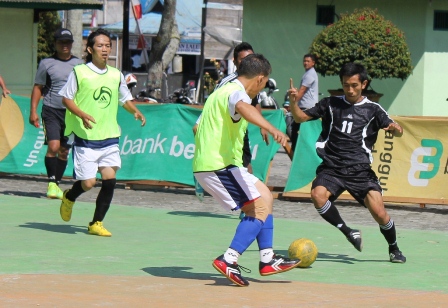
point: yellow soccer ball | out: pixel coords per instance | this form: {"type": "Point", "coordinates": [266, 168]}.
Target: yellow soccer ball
{"type": "Point", "coordinates": [303, 249]}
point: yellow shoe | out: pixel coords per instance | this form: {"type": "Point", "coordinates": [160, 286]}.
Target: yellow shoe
{"type": "Point", "coordinates": [98, 229]}
{"type": "Point", "coordinates": [53, 191]}
{"type": "Point", "coordinates": [66, 207]}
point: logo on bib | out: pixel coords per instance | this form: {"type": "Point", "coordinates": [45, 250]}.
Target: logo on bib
{"type": "Point", "coordinates": [103, 97]}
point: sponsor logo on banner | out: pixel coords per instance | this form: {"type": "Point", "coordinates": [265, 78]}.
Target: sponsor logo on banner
{"type": "Point", "coordinates": [385, 159]}
{"type": "Point", "coordinates": [156, 145]}
{"type": "Point", "coordinates": [33, 157]}
{"type": "Point", "coordinates": [425, 162]}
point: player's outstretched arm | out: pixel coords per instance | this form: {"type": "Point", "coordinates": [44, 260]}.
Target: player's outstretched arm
{"type": "Point", "coordinates": [251, 114]}
{"type": "Point", "coordinates": [131, 108]}
{"type": "Point", "coordinates": [294, 97]}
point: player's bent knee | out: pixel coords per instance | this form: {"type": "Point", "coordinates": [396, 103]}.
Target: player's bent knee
{"type": "Point", "coordinates": [88, 184]}
{"type": "Point", "coordinates": [315, 196]}
{"type": "Point", "coordinates": [320, 194]}
{"type": "Point", "coordinates": [256, 209]}
{"type": "Point", "coordinates": [382, 217]}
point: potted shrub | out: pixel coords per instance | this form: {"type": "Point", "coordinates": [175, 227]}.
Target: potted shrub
{"type": "Point", "coordinates": [364, 37]}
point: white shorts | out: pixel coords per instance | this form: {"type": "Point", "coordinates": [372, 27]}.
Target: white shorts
{"type": "Point", "coordinates": [231, 187]}
{"type": "Point", "coordinates": [86, 161]}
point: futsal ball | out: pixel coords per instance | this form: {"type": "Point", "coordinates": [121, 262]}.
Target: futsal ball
{"type": "Point", "coordinates": [303, 249]}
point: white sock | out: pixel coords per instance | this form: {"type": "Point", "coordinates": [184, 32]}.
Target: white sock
{"type": "Point", "coordinates": [231, 256]}
{"type": "Point", "coordinates": [266, 255]}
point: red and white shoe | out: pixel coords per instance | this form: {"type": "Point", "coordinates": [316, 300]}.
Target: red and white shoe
{"type": "Point", "coordinates": [231, 271]}
{"type": "Point", "coordinates": [278, 264]}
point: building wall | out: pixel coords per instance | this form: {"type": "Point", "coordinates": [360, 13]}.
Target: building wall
{"type": "Point", "coordinates": [18, 52]}
{"type": "Point", "coordinates": [112, 12]}
{"type": "Point", "coordinates": [435, 72]}
{"type": "Point", "coordinates": [229, 13]}
{"type": "Point", "coordinates": [283, 31]}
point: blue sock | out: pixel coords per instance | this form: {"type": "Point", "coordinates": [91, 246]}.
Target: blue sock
{"type": "Point", "coordinates": [264, 238]}
{"type": "Point", "coordinates": [245, 234]}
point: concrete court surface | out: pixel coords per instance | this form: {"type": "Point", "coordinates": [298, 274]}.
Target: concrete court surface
{"type": "Point", "coordinates": [162, 258]}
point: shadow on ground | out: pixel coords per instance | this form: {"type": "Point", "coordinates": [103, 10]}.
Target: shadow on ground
{"type": "Point", "coordinates": [24, 194]}
{"type": "Point", "coordinates": [331, 257]}
{"type": "Point", "coordinates": [68, 229]}
{"type": "Point", "coordinates": [183, 273]}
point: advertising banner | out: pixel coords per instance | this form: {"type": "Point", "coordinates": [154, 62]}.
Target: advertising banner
{"type": "Point", "coordinates": [162, 150]}
{"type": "Point", "coordinates": [411, 166]}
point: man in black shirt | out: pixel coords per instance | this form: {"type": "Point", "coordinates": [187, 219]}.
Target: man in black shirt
{"type": "Point", "coordinates": [350, 126]}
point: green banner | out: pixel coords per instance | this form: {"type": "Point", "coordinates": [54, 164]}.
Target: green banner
{"type": "Point", "coordinates": [162, 150]}
{"type": "Point", "coordinates": [305, 160]}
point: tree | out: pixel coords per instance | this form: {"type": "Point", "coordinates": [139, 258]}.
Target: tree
{"type": "Point", "coordinates": [164, 45]}
{"type": "Point", "coordinates": [364, 37]}
{"type": "Point", "coordinates": [49, 22]}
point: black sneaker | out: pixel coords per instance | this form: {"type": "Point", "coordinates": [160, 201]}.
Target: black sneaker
{"type": "Point", "coordinates": [355, 238]}
{"type": "Point", "coordinates": [278, 264]}
{"type": "Point", "coordinates": [397, 257]}
{"type": "Point", "coordinates": [231, 271]}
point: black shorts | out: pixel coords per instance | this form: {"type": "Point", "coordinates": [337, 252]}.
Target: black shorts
{"type": "Point", "coordinates": [53, 121]}
{"type": "Point", "coordinates": [358, 180]}
{"type": "Point", "coordinates": [247, 155]}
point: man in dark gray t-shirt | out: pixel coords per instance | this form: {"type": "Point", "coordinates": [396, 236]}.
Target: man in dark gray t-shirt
{"type": "Point", "coordinates": [51, 76]}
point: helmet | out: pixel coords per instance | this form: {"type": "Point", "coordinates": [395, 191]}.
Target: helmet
{"type": "Point", "coordinates": [266, 101]}
{"type": "Point", "coordinates": [286, 102]}
{"type": "Point", "coordinates": [131, 80]}
{"type": "Point", "coordinates": [271, 84]}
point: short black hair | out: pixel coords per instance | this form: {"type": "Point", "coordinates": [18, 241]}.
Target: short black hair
{"type": "Point", "coordinates": [91, 41]}
{"type": "Point", "coordinates": [310, 55]}
{"type": "Point", "coordinates": [351, 69]}
{"type": "Point", "coordinates": [241, 47]}
{"type": "Point", "coordinates": [253, 65]}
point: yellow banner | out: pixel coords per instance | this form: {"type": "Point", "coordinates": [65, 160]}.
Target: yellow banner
{"type": "Point", "coordinates": [412, 167]}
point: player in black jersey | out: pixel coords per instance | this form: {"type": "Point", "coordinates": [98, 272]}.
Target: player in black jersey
{"type": "Point", "coordinates": [350, 126]}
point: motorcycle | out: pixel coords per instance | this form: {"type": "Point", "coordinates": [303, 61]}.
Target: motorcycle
{"type": "Point", "coordinates": [265, 98]}
{"type": "Point", "coordinates": [149, 95]}
{"type": "Point", "coordinates": [185, 95]}
{"type": "Point", "coordinates": [144, 96]}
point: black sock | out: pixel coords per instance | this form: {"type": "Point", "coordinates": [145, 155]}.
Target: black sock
{"type": "Point", "coordinates": [51, 166]}
{"type": "Point", "coordinates": [389, 233]}
{"type": "Point", "coordinates": [61, 165]}
{"type": "Point", "coordinates": [75, 191]}
{"type": "Point", "coordinates": [330, 213]}
{"type": "Point", "coordinates": [104, 199]}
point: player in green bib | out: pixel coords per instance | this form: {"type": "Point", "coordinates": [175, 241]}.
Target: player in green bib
{"type": "Point", "coordinates": [92, 95]}
{"type": "Point", "coordinates": [218, 167]}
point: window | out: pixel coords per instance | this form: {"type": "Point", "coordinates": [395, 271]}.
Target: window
{"type": "Point", "coordinates": [325, 15]}
{"type": "Point", "coordinates": [440, 20]}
